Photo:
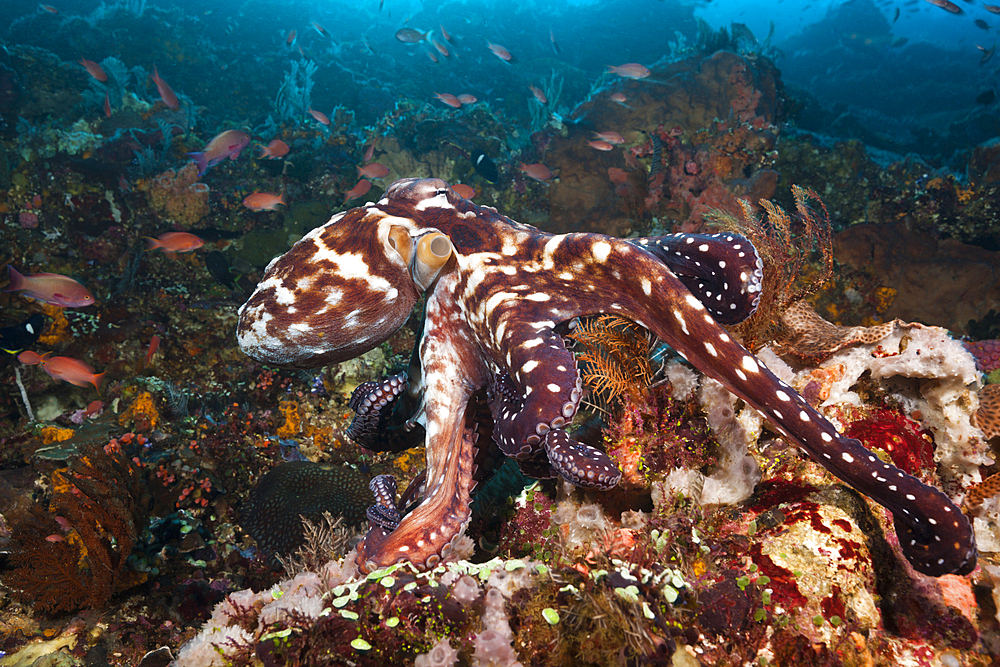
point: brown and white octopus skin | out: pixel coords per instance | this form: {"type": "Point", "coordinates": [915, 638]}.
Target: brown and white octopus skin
{"type": "Point", "coordinates": [497, 291]}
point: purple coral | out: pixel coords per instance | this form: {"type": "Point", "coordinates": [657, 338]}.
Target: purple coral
{"type": "Point", "coordinates": [986, 353]}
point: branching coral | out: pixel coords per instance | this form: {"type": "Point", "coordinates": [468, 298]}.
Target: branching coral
{"type": "Point", "coordinates": [785, 254]}
{"type": "Point", "coordinates": [73, 554]}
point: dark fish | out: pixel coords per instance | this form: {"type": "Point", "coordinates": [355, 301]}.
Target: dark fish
{"type": "Point", "coordinates": [896, 43]}
{"type": "Point", "coordinates": [19, 337]}
{"type": "Point", "coordinates": [982, 24]}
{"type": "Point", "coordinates": [896, 15]}
{"type": "Point", "coordinates": [987, 53]}
{"type": "Point", "coordinates": [484, 166]}
{"type": "Point", "coordinates": [410, 36]}
{"type": "Point", "coordinates": [947, 5]}
{"type": "Point", "coordinates": [992, 8]}
{"type": "Point", "coordinates": [989, 97]}
{"type": "Point", "coordinates": [218, 267]}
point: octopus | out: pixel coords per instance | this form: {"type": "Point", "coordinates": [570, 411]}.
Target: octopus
{"type": "Point", "coordinates": [494, 370]}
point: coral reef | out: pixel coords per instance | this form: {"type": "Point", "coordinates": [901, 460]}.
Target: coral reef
{"type": "Point", "coordinates": [178, 196]}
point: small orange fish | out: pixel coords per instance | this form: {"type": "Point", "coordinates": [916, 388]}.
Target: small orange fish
{"type": "Point", "coordinates": [444, 33]}
{"type": "Point", "coordinates": [277, 148]}
{"type": "Point", "coordinates": [373, 170]}
{"type": "Point", "coordinates": [442, 49]}
{"type": "Point", "coordinates": [610, 137]}
{"type": "Point", "coordinates": [29, 358]}
{"type": "Point", "coordinates": [70, 370]}
{"type": "Point", "coordinates": [48, 8]}
{"type": "Point", "coordinates": [93, 408]}
{"type": "Point", "coordinates": [946, 4]}
{"type": "Point", "coordinates": [992, 8]}
{"type": "Point", "coordinates": [464, 191]}
{"type": "Point", "coordinates": [499, 51]}
{"type": "Point", "coordinates": [290, 39]}
{"type": "Point", "coordinates": [369, 153]}
{"type": "Point", "coordinates": [600, 145]}
{"type": "Point", "coordinates": [466, 98]}
{"type": "Point", "coordinates": [154, 345]}
{"type": "Point", "coordinates": [174, 242]}
{"type": "Point", "coordinates": [448, 99]}
{"type": "Point", "coordinates": [52, 288]}
{"type": "Point", "coordinates": [434, 58]}
{"type": "Point", "coordinates": [166, 92]}
{"type": "Point", "coordinates": [539, 95]}
{"type": "Point", "coordinates": [319, 116]}
{"type": "Point", "coordinates": [264, 201]}
{"type": "Point", "coordinates": [93, 69]}
{"type": "Point", "coordinates": [359, 190]}
{"type": "Point", "coordinates": [631, 70]}
{"type": "Point", "coordinates": [537, 171]}
{"type": "Point", "coordinates": [55, 538]}
{"type": "Point", "coordinates": [618, 97]}
{"type": "Point", "coordinates": [226, 144]}
{"type": "Point", "coordinates": [107, 106]}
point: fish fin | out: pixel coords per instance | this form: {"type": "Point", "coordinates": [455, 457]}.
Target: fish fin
{"type": "Point", "coordinates": [200, 160]}
{"type": "Point", "coordinates": [16, 280]}
{"type": "Point", "coordinates": [97, 381]}
{"type": "Point", "coordinates": [152, 244]}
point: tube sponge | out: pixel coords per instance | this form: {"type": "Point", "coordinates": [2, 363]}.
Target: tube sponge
{"type": "Point", "coordinates": [440, 655]}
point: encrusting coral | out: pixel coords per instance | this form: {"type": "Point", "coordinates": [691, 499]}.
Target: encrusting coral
{"type": "Point", "coordinates": [178, 195]}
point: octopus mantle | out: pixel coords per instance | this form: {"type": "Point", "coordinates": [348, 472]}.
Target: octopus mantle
{"type": "Point", "coordinates": [497, 291]}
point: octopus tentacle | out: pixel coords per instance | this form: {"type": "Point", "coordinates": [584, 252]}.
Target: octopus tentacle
{"type": "Point", "coordinates": [374, 425]}
{"type": "Point", "coordinates": [580, 463]}
{"type": "Point", "coordinates": [723, 271]}
{"type": "Point", "coordinates": [383, 513]}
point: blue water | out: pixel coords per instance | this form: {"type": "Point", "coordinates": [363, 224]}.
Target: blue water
{"type": "Point", "coordinates": [907, 70]}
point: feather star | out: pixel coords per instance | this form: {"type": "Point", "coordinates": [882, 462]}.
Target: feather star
{"type": "Point", "coordinates": [497, 293]}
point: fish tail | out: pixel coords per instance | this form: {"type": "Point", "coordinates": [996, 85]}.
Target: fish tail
{"type": "Point", "coordinates": [152, 244]}
{"type": "Point", "coordinates": [200, 160]}
{"type": "Point", "coordinates": [16, 280]}
{"type": "Point", "coordinates": [97, 381]}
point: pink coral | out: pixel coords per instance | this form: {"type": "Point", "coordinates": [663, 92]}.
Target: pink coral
{"type": "Point", "coordinates": [28, 220]}
{"type": "Point", "coordinates": [987, 354]}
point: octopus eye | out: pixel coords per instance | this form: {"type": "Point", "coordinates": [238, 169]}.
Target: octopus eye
{"type": "Point", "coordinates": [441, 192]}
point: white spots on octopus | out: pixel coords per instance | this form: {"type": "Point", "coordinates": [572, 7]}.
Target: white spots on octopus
{"type": "Point", "coordinates": [529, 366]}
{"type": "Point", "coordinates": [647, 286]}
{"type": "Point", "coordinates": [782, 396]}
{"type": "Point", "coordinates": [601, 250]}
{"type": "Point", "coordinates": [750, 364]}
{"type": "Point", "coordinates": [711, 349]}
{"type": "Point", "coordinates": [538, 297]}
{"type": "Point", "coordinates": [679, 316]}
{"type": "Point", "coordinates": [693, 301]}
{"type": "Point", "coordinates": [553, 387]}
{"type": "Point", "coordinates": [847, 457]}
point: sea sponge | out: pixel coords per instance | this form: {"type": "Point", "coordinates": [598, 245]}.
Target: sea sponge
{"type": "Point", "coordinates": [736, 472]}
{"type": "Point", "coordinates": [440, 655]}
{"type": "Point", "coordinates": [492, 649]}
{"type": "Point", "coordinates": [201, 651]}
{"type": "Point", "coordinates": [178, 195]}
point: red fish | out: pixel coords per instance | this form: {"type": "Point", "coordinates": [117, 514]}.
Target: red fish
{"type": "Point", "coordinates": [466, 98]}
{"type": "Point", "coordinates": [448, 99]}
{"type": "Point", "coordinates": [619, 98]}
{"type": "Point", "coordinates": [290, 39]}
{"type": "Point", "coordinates": [610, 137]}
{"type": "Point", "coordinates": [93, 69]}
{"type": "Point", "coordinates": [434, 58]}
{"type": "Point", "coordinates": [369, 153]}
{"type": "Point", "coordinates": [228, 144]}
{"type": "Point", "coordinates": [174, 242]}
{"type": "Point", "coordinates": [537, 171]}
{"type": "Point", "coordinates": [93, 408]}
{"type": "Point", "coordinates": [52, 288]}
{"type": "Point", "coordinates": [54, 538]}
{"type": "Point", "coordinates": [539, 95]}
{"type": "Point", "coordinates": [166, 92]}
{"type": "Point", "coordinates": [992, 8]}
{"type": "Point", "coordinates": [107, 106]}
{"type": "Point", "coordinates": [629, 70]}
{"type": "Point", "coordinates": [600, 145]}
{"type": "Point", "coordinates": [70, 370]}
{"type": "Point", "coordinates": [373, 170]}
{"type": "Point", "coordinates": [359, 190]}
{"type": "Point", "coordinates": [444, 33]}
{"type": "Point", "coordinates": [48, 8]}
{"type": "Point", "coordinates": [319, 116]}
{"type": "Point", "coordinates": [277, 148]}
{"type": "Point", "coordinates": [264, 201]}
{"type": "Point", "coordinates": [946, 4]}
{"type": "Point", "coordinates": [154, 345]}
{"type": "Point", "coordinates": [29, 358]}
{"type": "Point", "coordinates": [499, 51]}
{"type": "Point", "coordinates": [464, 191]}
